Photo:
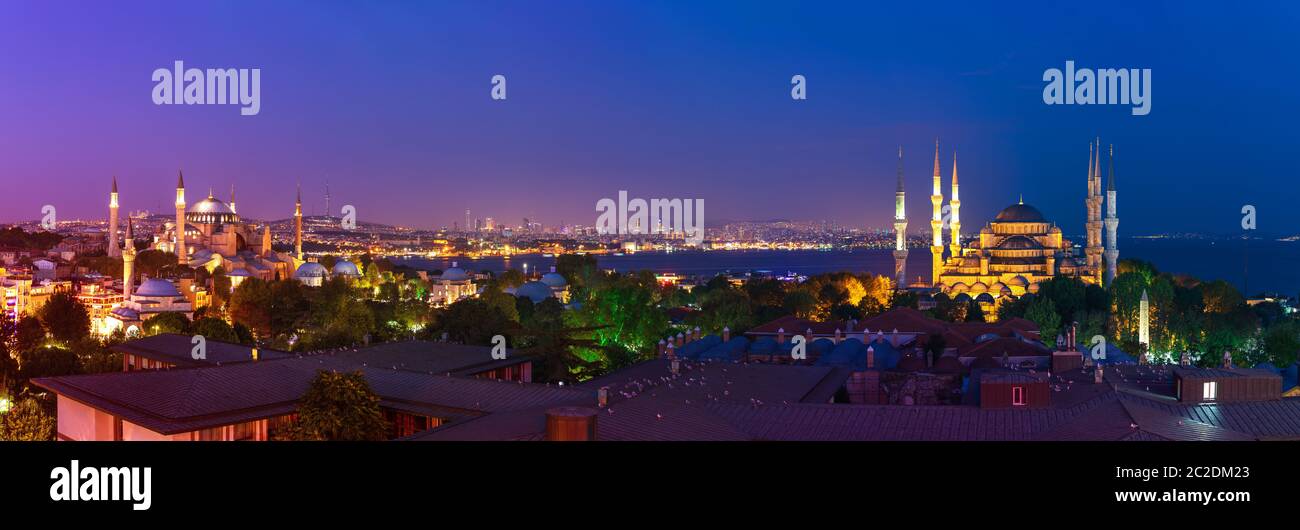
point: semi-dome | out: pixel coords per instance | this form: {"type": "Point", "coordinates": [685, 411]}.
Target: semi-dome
{"type": "Point", "coordinates": [1019, 243]}
{"type": "Point", "coordinates": [554, 279]}
{"type": "Point", "coordinates": [1018, 281]}
{"type": "Point", "coordinates": [978, 287]}
{"type": "Point", "coordinates": [997, 287]}
{"type": "Point", "coordinates": [345, 268]}
{"type": "Point", "coordinates": [310, 269]}
{"type": "Point", "coordinates": [534, 290]}
{"type": "Point", "coordinates": [959, 288]}
{"type": "Point", "coordinates": [1020, 213]}
{"type": "Point", "coordinates": [157, 288]}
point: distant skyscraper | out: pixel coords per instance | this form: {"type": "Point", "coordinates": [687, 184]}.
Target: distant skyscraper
{"type": "Point", "coordinates": [328, 211]}
{"type": "Point", "coordinates": [468, 224]}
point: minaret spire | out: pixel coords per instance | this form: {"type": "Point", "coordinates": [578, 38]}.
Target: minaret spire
{"type": "Point", "coordinates": [1112, 223]}
{"type": "Point", "coordinates": [936, 222]}
{"type": "Point", "coordinates": [111, 240]}
{"type": "Point", "coordinates": [182, 258]}
{"type": "Point", "coordinates": [232, 199]}
{"type": "Point", "coordinates": [297, 227]}
{"type": "Point", "coordinates": [955, 203]}
{"type": "Point", "coordinates": [1093, 250]}
{"type": "Point", "coordinates": [128, 261]}
{"type": "Point", "coordinates": [900, 229]}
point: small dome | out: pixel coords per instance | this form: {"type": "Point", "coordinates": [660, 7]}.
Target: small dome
{"type": "Point", "coordinates": [959, 288]}
{"type": "Point", "coordinates": [345, 268]}
{"type": "Point", "coordinates": [1018, 281]}
{"type": "Point", "coordinates": [997, 287]}
{"type": "Point", "coordinates": [455, 274]}
{"type": "Point", "coordinates": [554, 279]}
{"type": "Point", "coordinates": [310, 269]}
{"type": "Point", "coordinates": [157, 288]}
{"type": "Point", "coordinates": [979, 287]}
{"type": "Point", "coordinates": [1020, 213]}
{"type": "Point", "coordinates": [535, 291]}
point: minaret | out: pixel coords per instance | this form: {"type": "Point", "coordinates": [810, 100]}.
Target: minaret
{"type": "Point", "coordinates": [1144, 323]}
{"type": "Point", "coordinates": [181, 257]}
{"type": "Point", "coordinates": [936, 223]}
{"type": "Point", "coordinates": [1112, 222]}
{"type": "Point", "coordinates": [128, 261]}
{"type": "Point", "coordinates": [232, 199]}
{"type": "Point", "coordinates": [113, 250]}
{"type": "Point", "coordinates": [1094, 250]}
{"type": "Point", "coordinates": [297, 226]}
{"type": "Point", "coordinates": [900, 229]}
{"type": "Point", "coordinates": [266, 240]}
{"type": "Point", "coordinates": [955, 221]}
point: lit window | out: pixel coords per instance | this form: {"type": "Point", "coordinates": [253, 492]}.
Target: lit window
{"type": "Point", "coordinates": [1017, 395]}
{"type": "Point", "coordinates": [1210, 391]}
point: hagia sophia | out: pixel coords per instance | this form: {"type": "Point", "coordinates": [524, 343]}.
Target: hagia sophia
{"type": "Point", "coordinates": [1017, 250]}
{"type": "Point", "coordinates": [208, 234]}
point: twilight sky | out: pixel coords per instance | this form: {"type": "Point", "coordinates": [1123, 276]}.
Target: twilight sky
{"type": "Point", "coordinates": [389, 102]}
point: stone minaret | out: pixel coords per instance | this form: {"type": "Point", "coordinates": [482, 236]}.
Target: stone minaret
{"type": "Point", "coordinates": [1112, 222]}
{"type": "Point", "coordinates": [266, 240]}
{"type": "Point", "coordinates": [1093, 250]}
{"type": "Point", "coordinates": [232, 199]}
{"type": "Point", "coordinates": [113, 250]}
{"type": "Point", "coordinates": [900, 229]}
{"type": "Point", "coordinates": [181, 257]}
{"type": "Point", "coordinates": [1144, 322]}
{"type": "Point", "coordinates": [936, 223]}
{"type": "Point", "coordinates": [955, 203]}
{"type": "Point", "coordinates": [128, 261]}
{"type": "Point", "coordinates": [297, 227]}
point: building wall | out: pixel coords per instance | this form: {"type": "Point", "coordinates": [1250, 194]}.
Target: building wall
{"type": "Point", "coordinates": [80, 422]}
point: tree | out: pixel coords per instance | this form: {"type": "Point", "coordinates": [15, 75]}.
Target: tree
{"type": "Point", "coordinates": [1281, 343]}
{"type": "Point", "coordinates": [974, 313]}
{"type": "Point", "coordinates": [339, 406]}
{"type": "Point", "coordinates": [215, 329]}
{"type": "Point", "coordinates": [510, 278]}
{"type": "Point", "coordinates": [26, 421]}
{"type": "Point", "coordinates": [576, 268]}
{"type": "Point", "coordinates": [473, 321]}
{"type": "Point", "coordinates": [1042, 311]}
{"type": "Point", "coordinates": [65, 318]}
{"type": "Point", "coordinates": [48, 361]}
{"type": "Point", "coordinates": [169, 322]}
{"type": "Point", "coordinates": [725, 308]}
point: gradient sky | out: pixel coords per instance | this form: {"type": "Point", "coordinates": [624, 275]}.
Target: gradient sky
{"type": "Point", "coordinates": [389, 102]}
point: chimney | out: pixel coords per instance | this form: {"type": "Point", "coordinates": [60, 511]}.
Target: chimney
{"type": "Point", "coordinates": [698, 336]}
{"type": "Point", "coordinates": [839, 335]}
{"type": "Point", "coordinates": [602, 397]}
{"type": "Point", "coordinates": [254, 354]}
{"type": "Point", "coordinates": [1185, 360]}
{"type": "Point", "coordinates": [676, 366]}
{"type": "Point", "coordinates": [662, 347]}
{"type": "Point", "coordinates": [893, 339]}
{"type": "Point", "coordinates": [680, 339]}
{"type": "Point", "coordinates": [726, 334]}
{"type": "Point", "coordinates": [1097, 374]}
{"type": "Point", "coordinates": [871, 357]}
{"type": "Point", "coordinates": [669, 353]}
{"type": "Point", "coordinates": [1227, 360]}
{"type": "Point", "coordinates": [808, 335]}
{"type": "Point", "coordinates": [780, 336]}
{"type": "Point", "coordinates": [570, 424]}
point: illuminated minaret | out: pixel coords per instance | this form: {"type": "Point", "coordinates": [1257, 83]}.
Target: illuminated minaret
{"type": "Point", "coordinates": [900, 229]}
{"type": "Point", "coordinates": [128, 261]}
{"type": "Point", "coordinates": [181, 257]}
{"type": "Point", "coordinates": [955, 222]}
{"type": "Point", "coordinates": [936, 223]}
{"type": "Point", "coordinates": [1112, 222]}
{"type": "Point", "coordinates": [1144, 323]}
{"type": "Point", "coordinates": [232, 199]}
{"type": "Point", "coordinates": [1093, 250]}
{"type": "Point", "coordinates": [113, 250]}
{"type": "Point", "coordinates": [297, 226]}
{"type": "Point", "coordinates": [266, 240]}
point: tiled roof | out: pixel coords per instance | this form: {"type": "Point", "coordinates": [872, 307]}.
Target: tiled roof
{"type": "Point", "coordinates": [1274, 419]}
{"type": "Point", "coordinates": [177, 349]}
{"type": "Point", "coordinates": [428, 357]}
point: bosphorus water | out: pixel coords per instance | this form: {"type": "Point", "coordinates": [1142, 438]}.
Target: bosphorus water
{"type": "Point", "coordinates": [1270, 263]}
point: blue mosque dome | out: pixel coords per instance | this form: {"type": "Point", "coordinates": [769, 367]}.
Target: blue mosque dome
{"type": "Point", "coordinates": [1021, 213]}
{"type": "Point", "coordinates": [345, 268]}
{"type": "Point", "coordinates": [554, 279]}
{"type": "Point", "coordinates": [310, 269]}
{"type": "Point", "coordinates": [157, 288]}
{"type": "Point", "coordinates": [535, 291]}
{"type": "Point", "coordinates": [455, 274]}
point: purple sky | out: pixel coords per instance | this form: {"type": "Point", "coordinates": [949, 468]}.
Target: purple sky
{"type": "Point", "coordinates": [390, 104]}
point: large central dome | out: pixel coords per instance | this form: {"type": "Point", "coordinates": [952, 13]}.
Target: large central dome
{"type": "Point", "coordinates": [1021, 213]}
{"type": "Point", "coordinates": [211, 211]}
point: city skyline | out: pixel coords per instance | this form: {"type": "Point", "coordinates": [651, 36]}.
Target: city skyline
{"type": "Point", "coordinates": [403, 127]}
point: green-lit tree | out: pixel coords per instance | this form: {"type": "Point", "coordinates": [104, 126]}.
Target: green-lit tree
{"type": "Point", "coordinates": [1042, 311]}
{"type": "Point", "coordinates": [26, 421]}
{"type": "Point", "coordinates": [169, 322]}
